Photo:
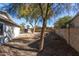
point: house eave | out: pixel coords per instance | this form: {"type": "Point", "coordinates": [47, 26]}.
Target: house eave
{"type": "Point", "coordinates": [9, 21]}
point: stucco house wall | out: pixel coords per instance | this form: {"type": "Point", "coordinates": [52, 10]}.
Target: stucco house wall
{"type": "Point", "coordinates": [16, 32]}
{"type": "Point", "coordinates": [10, 29]}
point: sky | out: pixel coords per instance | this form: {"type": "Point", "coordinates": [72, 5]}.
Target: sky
{"type": "Point", "coordinates": [50, 22]}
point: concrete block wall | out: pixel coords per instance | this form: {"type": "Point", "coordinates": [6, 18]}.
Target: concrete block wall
{"type": "Point", "coordinates": [71, 36]}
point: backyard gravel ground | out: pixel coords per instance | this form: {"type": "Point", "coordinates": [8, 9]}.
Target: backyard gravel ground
{"type": "Point", "coordinates": [27, 45]}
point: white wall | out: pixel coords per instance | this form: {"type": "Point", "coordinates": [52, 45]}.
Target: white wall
{"type": "Point", "coordinates": [16, 31]}
{"type": "Point", "coordinates": [9, 32]}
{"type": "Point", "coordinates": [10, 29]}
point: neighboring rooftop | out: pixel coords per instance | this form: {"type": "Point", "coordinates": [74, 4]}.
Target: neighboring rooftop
{"type": "Point", "coordinates": [4, 16]}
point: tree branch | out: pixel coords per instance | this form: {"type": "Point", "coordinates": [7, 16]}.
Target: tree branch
{"type": "Point", "coordinates": [47, 10]}
{"type": "Point", "coordinates": [31, 24]}
{"type": "Point", "coordinates": [41, 10]}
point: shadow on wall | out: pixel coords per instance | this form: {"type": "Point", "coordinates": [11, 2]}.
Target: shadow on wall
{"type": "Point", "coordinates": [55, 46]}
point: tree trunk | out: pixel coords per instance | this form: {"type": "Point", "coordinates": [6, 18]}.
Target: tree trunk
{"type": "Point", "coordinates": [42, 36]}
{"type": "Point", "coordinates": [34, 28]}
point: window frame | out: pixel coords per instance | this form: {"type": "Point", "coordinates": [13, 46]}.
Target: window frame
{"type": "Point", "coordinates": [2, 28]}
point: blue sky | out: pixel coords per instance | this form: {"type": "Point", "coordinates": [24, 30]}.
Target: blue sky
{"type": "Point", "coordinates": [50, 22]}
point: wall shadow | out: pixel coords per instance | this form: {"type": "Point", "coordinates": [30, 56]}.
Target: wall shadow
{"type": "Point", "coordinates": [57, 46]}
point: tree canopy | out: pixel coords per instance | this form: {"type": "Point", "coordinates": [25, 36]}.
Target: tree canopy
{"type": "Point", "coordinates": [62, 22]}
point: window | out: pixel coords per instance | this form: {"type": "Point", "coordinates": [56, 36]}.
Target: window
{"type": "Point", "coordinates": [1, 29]}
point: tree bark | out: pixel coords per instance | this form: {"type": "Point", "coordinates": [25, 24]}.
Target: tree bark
{"type": "Point", "coordinates": [34, 29]}
{"type": "Point", "coordinates": [43, 27]}
{"type": "Point", "coordinates": [42, 36]}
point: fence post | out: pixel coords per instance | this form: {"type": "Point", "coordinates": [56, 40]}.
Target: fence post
{"type": "Point", "coordinates": [68, 31]}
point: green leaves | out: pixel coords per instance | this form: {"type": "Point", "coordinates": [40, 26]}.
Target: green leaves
{"type": "Point", "coordinates": [62, 22]}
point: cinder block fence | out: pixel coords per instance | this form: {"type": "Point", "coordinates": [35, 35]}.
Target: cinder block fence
{"type": "Point", "coordinates": [71, 36]}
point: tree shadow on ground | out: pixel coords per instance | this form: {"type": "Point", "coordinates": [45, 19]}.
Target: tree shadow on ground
{"type": "Point", "coordinates": [23, 40]}
{"type": "Point", "coordinates": [26, 49]}
{"type": "Point", "coordinates": [55, 46]}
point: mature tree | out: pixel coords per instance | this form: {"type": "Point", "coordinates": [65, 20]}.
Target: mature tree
{"type": "Point", "coordinates": [45, 11]}
{"type": "Point", "coordinates": [62, 22]}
